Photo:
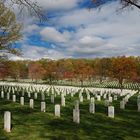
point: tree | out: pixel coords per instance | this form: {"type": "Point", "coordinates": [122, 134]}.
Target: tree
{"type": "Point", "coordinates": [123, 68]}
{"type": "Point", "coordinates": [4, 69]}
{"type": "Point", "coordinates": [31, 6]}
{"type": "Point", "coordinates": [50, 71]}
{"type": "Point", "coordinates": [83, 70]}
{"type": "Point", "coordinates": [18, 69]}
{"type": "Point", "coordinates": [103, 67]}
{"type": "Point", "coordinates": [36, 71]}
{"type": "Point", "coordinates": [14, 69]}
{"type": "Point", "coordinates": [130, 3]}
{"type": "Point", "coordinates": [9, 30]}
{"type": "Point", "coordinates": [68, 70]}
{"type": "Point", "coordinates": [23, 66]}
{"type": "Point", "coordinates": [137, 78]}
{"type": "Point", "coordinates": [124, 3]}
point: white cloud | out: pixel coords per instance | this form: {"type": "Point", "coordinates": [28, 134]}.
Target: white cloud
{"type": "Point", "coordinates": [91, 41]}
{"type": "Point", "coordinates": [76, 18]}
{"type": "Point", "coordinates": [58, 4]}
{"type": "Point", "coordinates": [102, 33]}
{"type": "Point", "coordinates": [96, 33]}
{"type": "Point", "coordinates": [31, 28]}
{"type": "Point", "coordinates": [53, 35]}
{"type": "Point", "coordinates": [38, 52]}
{"type": "Point", "coordinates": [15, 58]}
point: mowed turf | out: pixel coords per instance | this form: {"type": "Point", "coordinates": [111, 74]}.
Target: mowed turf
{"type": "Point", "coordinates": [31, 124]}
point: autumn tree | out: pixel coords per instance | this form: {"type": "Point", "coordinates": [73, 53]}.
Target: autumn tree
{"type": "Point", "coordinates": [23, 69]}
{"type": "Point", "coordinates": [68, 70]}
{"type": "Point", "coordinates": [137, 78]}
{"type": "Point", "coordinates": [36, 71]}
{"type": "Point", "coordinates": [14, 70]}
{"type": "Point", "coordinates": [4, 69]}
{"type": "Point", "coordinates": [65, 69]}
{"type": "Point", "coordinates": [50, 71]}
{"type": "Point", "coordinates": [103, 67]}
{"type": "Point", "coordinates": [123, 68]}
{"type": "Point", "coordinates": [82, 70]}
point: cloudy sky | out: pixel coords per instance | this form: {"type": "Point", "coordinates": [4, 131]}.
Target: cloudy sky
{"type": "Point", "coordinates": [74, 31]}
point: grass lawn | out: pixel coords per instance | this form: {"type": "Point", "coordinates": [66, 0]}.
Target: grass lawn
{"type": "Point", "coordinates": [31, 124]}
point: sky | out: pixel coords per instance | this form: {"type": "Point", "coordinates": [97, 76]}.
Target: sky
{"type": "Point", "coordinates": [74, 31]}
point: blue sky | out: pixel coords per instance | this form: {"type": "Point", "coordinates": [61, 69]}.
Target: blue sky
{"type": "Point", "coordinates": [73, 31]}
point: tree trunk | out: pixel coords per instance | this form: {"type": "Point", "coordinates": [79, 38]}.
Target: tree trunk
{"type": "Point", "coordinates": [81, 83]}
{"type": "Point", "coordinates": [121, 83]}
{"type": "Point", "coordinates": [101, 80]}
{"type": "Point", "coordinates": [36, 80]}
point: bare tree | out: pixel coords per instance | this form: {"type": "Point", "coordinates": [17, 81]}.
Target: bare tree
{"type": "Point", "coordinates": [130, 3]}
{"type": "Point", "coordinates": [124, 3]}
{"type": "Point", "coordinates": [32, 7]}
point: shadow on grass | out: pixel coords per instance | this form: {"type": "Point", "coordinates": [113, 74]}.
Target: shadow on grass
{"type": "Point", "coordinates": [33, 124]}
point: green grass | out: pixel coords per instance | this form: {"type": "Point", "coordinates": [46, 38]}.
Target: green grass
{"type": "Point", "coordinates": [31, 124]}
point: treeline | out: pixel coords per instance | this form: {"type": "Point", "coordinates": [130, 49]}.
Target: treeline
{"type": "Point", "coordinates": [115, 68]}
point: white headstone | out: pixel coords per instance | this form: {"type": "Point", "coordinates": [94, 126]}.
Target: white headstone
{"type": "Point", "coordinates": [111, 111]}
{"type": "Point", "coordinates": [35, 95]}
{"type": "Point", "coordinates": [43, 106]}
{"type": "Point", "coordinates": [7, 121]}
{"type": "Point", "coordinates": [76, 104]}
{"type": "Point", "coordinates": [88, 96]}
{"type": "Point", "coordinates": [57, 110]}
{"type": "Point", "coordinates": [98, 98]}
{"type": "Point", "coordinates": [81, 98]}
{"type": "Point", "coordinates": [76, 116]}
{"type": "Point", "coordinates": [2, 94]}
{"type": "Point", "coordinates": [31, 103]}
{"type": "Point", "coordinates": [29, 94]}
{"type": "Point", "coordinates": [14, 98]}
{"type": "Point", "coordinates": [104, 96]}
{"type": "Point", "coordinates": [52, 98]}
{"type": "Point", "coordinates": [138, 107]}
{"type": "Point", "coordinates": [122, 104]}
{"type": "Point", "coordinates": [110, 99]}
{"type": "Point", "coordinates": [115, 98]}
{"type": "Point", "coordinates": [92, 100]}
{"type": "Point", "coordinates": [92, 108]}
{"type": "Point", "coordinates": [22, 100]}
{"type": "Point", "coordinates": [62, 100]}
{"type": "Point", "coordinates": [8, 95]}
